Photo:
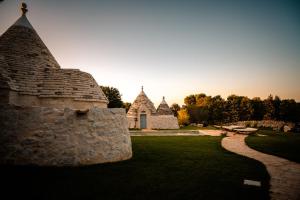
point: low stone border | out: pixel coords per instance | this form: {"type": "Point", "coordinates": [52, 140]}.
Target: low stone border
{"type": "Point", "coordinates": [183, 133]}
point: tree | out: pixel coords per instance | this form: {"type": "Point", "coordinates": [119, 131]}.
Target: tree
{"type": "Point", "coordinates": [190, 100]}
{"type": "Point", "coordinates": [198, 114]}
{"type": "Point", "coordinates": [113, 95]}
{"type": "Point", "coordinates": [246, 109]}
{"type": "Point", "coordinates": [298, 112]}
{"type": "Point", "coordinates": [201, 99]}
{"type": "Point", "coordinates": [258, 109]}
{"type": "Point", "coordinates": [276, 103]}
{"type": "Point", "coordinates": [233, 107]}
{"type": "Point", "coordinates": [126, 105]}
{"type": "Point", "coordinates": [216, 109]}
{"type": "Point", "coordinates": [183, 117]}
{"type": "Point", "coordinates": [175, 108]}
{"type": "Point", "coordinates": [288, 110]}
{"type": "Point", "coordinates": [269, 108]}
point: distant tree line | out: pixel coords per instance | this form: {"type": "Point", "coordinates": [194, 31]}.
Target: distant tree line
{"type": "Point", "coordinates": [200, 108]}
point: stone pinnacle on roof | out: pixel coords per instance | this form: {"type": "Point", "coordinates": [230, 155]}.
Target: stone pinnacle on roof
{"type": "Point", "coordinates": [23, 21]}
{"type": "Point", "coordinates": [24, 8]}
{"type": "Point", "coordinates": [163, 101]}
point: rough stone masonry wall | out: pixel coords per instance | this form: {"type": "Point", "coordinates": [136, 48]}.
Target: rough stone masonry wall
{"type": "Point", "coordinates": [4, 96]}
{"type": "Point", "coordinates": [275, 125]}
{"type": "Point", "coordinates": [61, 137]}
{"type": "Point", "coordinates": [131, 122]}
{"type": "Point", "coordinates": [164, 122]}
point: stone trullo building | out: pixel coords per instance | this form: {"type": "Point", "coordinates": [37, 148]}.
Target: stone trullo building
{"type": "Point", "coordinates": [142, 114]}
{"type": "Point", "coordinates": [50, 115]}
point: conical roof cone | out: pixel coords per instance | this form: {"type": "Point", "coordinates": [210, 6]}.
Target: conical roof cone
{"type": "Point", "coordinates": [24, 56]}
{"type": "Point", "coordinates": [141, 100]}
{"type": "Point", "coordinates": [28, 67]}
{"type": "Point", "coordinates": [21, 45]}
{"type": "Point", "coordinates": [163, 108]}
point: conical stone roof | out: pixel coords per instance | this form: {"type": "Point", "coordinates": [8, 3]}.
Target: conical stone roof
{"type": "Point", "coordinates": [141, 101]}
{"type": "Point", "coordinates": [28, 67]}
{"type": "Point", "coordinates": [163, 108]}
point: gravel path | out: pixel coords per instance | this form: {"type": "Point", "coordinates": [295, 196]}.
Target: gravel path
{"type": "Point", "coordinates": [285, 174]}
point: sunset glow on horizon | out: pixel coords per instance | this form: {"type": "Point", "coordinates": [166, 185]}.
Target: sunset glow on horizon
{"type": "Point", "coordinates": [173, 48]}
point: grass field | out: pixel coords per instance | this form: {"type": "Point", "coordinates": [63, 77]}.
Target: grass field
{"type": "Point", "coordinates": [161, 168]}
{"type": "Point", "coordinates": [190, 127]}
{"type": "Point", "coordinates": [286, 145]}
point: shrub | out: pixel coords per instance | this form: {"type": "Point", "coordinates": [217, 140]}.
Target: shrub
{"type": "Point", "coordinates": [183, 117]}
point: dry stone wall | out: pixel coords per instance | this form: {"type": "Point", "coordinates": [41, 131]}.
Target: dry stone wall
{"type": "Point", "coordinates": [63, 137]}
{"type": "Point", "coordinates": [275, 125]}
{"type": "Point", "coordinates": [156, 122]}
{"type": "Point", "coordinates": [132, 123]}
{"type": "Point", "coordinates": [164, 122]}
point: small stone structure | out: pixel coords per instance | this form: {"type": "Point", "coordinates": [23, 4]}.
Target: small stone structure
{"type": "Point", "coordinates": [143, 115]}
{"type": "Point", "coordinates": [49, 115]}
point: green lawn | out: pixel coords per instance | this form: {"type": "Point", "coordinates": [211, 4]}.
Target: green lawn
{"type": "Point", "coordinates": [286, 145]}
{"type": "Point", "coordinates": [190, 127]}
{"type": "Point", "coordinates": [161, 168]}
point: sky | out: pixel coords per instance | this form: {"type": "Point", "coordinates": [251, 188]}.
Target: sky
{"type": "Point", "coordinates": [173, 47]}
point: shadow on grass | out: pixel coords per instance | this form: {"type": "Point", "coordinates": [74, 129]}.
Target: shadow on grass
{"type": "Point", "coordinates": [161, 168]}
